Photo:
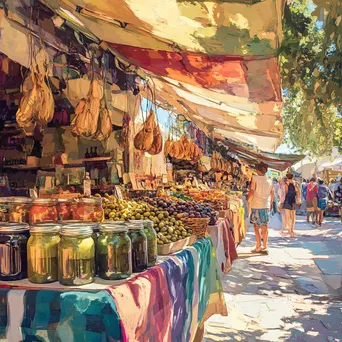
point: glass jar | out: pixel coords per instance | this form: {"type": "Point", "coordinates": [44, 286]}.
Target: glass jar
{"type": "Point", "coordinates": [139, 245]}
{"type": "Point", "coordinates": [76, 255]}
{"type": "Point", "coordinates": [42, 210]}
{"type": "Point", "coordinates": [64, 209]}
{"type": "Point", "coordinates": [89, 209]}
{"type": "Point", "coordinates": [19, 209]}
{"type": "Point", "coordinates": [152, 251]}
{"type": "Point", "coordinates": [4, 209]}
{"type": "Point", "coordinates": [114, 251]}
{"type": "Point", "coordinates": [42, 253]}
{"type": "Point", "coordinates": [13, 251]}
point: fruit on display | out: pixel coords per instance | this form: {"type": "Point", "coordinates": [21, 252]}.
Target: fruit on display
{"type": "Point", "coordinates": [166, 219]}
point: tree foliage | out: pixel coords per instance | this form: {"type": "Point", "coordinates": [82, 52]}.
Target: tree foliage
{"type": "Point", "coordinates": [311, 67]}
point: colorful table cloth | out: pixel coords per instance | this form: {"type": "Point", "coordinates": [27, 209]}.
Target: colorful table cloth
{"type": "Point", "coordinates": [168, 302]}
{"type": "Point", "coordinates": [224, 243]}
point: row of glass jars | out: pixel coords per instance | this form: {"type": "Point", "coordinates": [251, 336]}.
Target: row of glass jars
{"type": "Point", "coordinates": [24, 210]}
{"type": "Point", "coordinates": [75, 251]}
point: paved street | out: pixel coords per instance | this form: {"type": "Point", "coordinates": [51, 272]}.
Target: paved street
{"type": "Point", "coordinates": [293, 294]}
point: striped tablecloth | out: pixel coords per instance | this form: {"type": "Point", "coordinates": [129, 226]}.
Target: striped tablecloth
{"type": "Point", "coordinates": [224, 244]}
{"type": "Point", "coordinates": [168, 302]}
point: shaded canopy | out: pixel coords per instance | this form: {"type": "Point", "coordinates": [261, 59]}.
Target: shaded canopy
{"type": "Point", "coordinates": [252, 156]}
{"type": "Point", "coordinates": [213, 61]}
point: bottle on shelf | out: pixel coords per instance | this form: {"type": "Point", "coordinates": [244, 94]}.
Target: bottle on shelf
{"type": "Point", "coordinates": [91, 153]}
{"type": "Point", "coordinates": [95, 152]}
{"type": "Point", "coordinates": [87, 185]}
{"type": "Point", "coordinates": [87, 155]}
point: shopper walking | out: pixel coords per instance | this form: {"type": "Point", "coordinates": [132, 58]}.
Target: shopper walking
{"type": "Point", "coordinates": [292, 198]}
{"type": "Point", "coordinates": [311, 200]}
{"type": "Point", "coordinates": [322, 195]}
{"type": "Point", "coordinates": [338, 197]}
{"type": "Point", "coordinates": [260, 200]}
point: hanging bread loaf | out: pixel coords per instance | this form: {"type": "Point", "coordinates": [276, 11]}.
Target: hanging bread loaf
{"type": "Point", "coordinates": [104, 125]}
{"type": "Point", "coordinates": [144, 139]}
{"type": "Point", "coordinates": [85, 122]}
{"type": "Point", "coordinates": [157, 144]}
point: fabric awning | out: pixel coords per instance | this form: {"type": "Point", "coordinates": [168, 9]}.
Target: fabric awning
{"type": "Point", "coordinates": [213, 61]}
{"type": "Point", "coordinates": [253, 156]}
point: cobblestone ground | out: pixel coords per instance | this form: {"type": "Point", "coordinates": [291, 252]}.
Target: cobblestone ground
{"type": "Point", "coordinates": [293, 294]}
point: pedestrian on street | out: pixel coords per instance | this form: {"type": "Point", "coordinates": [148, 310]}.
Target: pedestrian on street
{"type": "Point", "coordinates": [338, 197]}
{"type": "Point", "coordinates": [311, 200]}
{"type": "Point", "coordinates": [292, 199]}
{"type": "Point", "coordinates": [260, 200]}
{"type": "Point", "coordinates": [323, 193]}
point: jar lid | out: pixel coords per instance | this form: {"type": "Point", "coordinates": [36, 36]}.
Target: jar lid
{"type": "Point", "coordinates": [77, 230]}
{"type": "Point", "coordinates": [148, 223]}
{"type": "Point", "coordinates": [4, 199]}
{"type": "Point", "coordinates": [135, 225]}
{"type": "Point", "coordinates": [91, 200]}
{"type": "Point", "coordinates": [113, 226]}
{"type": "Point", "coordinates": [79, 223]}
{"type": "Point", "coordinates": [64, 200]}
{"type": "Point", "coordinates": [48, 201]}
{"type": "Point", "coordinates": [44, 227]}
{"type": "Point", "coordinates": [22, 200]}
{"type": "Point", "coordinates": [13, 227]}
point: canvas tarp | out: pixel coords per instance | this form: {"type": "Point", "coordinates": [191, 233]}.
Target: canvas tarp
{"type": "Point", "coordinates": [214, 61]}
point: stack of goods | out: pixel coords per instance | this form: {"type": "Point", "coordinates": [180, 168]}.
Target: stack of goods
{"type": "Point", "coordinates": [214, 198]}
{"type": "Point", "coordinates": [183, 149]}
{"type": "Point", "coordinates": [167, 220]}
{"type": "Point", "coordinates": [73, 254]}
{"type": "Point", "coordinates": [25, 210]}
{"type": "Point", "coordinates": [217, 163]}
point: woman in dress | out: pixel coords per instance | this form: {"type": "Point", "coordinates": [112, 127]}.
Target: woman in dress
{"type": "Point", "coordinates": [292, 198]}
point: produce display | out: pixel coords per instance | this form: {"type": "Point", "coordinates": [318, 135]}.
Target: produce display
{"type": "Point", "coordinates": [184, 209]}
{"type": "Point", "coordinates": [167, 220]}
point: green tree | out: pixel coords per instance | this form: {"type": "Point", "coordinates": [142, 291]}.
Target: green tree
{"type": "Point", "coordinates": [311, 67]}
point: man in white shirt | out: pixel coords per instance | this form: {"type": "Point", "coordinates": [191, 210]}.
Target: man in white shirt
{"type": "Point", "coordinates": [260, 200]}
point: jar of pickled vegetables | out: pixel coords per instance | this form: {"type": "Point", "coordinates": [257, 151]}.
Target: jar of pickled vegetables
{"type": "Point", "coordinates": [42, 253]}
{"type": "Point", "coordinates": [89, 209]}
{"type": "Point", "coordinates": [13, 251]}
{"type": "Point", "coordinates": [151, 243]}
{"type": "Point", "coordinates": [139, 245]}
{"type": "Point", "coordinates": [65, 209]}
{"type": "Point", "coordinates": [76, 255]}
{"type": "Point", "coordinates": [42, 210]}
{"type": "Point", "coordinates": [113, 251]}
{"type": "Point", "coordinates": [19, 209]}
{"type": "Point", "coordinates": [4, 209]}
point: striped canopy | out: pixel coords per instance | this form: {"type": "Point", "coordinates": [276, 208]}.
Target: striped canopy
{"type": "Point", "coordinates": [213, 61]}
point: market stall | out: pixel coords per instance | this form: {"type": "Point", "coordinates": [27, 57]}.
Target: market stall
{"type": "Point", "coordinates": [168, 302]}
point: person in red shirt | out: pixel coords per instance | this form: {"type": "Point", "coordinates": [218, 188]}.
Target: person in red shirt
{"type": "Point", "coordinates": [311, 200]}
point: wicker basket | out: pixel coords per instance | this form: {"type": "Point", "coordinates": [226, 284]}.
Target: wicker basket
{"type": "Point", "coordinates": [198, 225]}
